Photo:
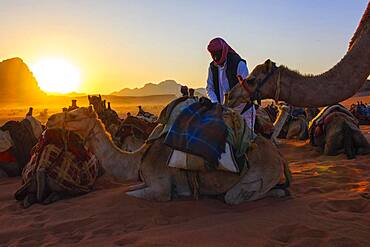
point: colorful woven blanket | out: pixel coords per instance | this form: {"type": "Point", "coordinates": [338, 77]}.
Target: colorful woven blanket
{"type": "Point", "coordinates": [199, 130]}
{"type": "Point", "coordinates": [65, 160]}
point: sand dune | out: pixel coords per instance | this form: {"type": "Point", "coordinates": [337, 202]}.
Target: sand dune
{"type": "Point", "coordinates": [329, 206]}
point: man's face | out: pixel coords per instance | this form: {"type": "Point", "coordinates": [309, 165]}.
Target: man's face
{"type": "Point", "coordinates": [216, 56]}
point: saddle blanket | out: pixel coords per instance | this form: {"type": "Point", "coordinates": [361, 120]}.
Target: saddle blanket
{"type": "Point", "coordinates": [199, 130]}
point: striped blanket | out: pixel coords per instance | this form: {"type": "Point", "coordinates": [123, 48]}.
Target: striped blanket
{"type": "Point", "coordinates": [64, 158]}
{"type": "Point", "coordinates": [199, 130]}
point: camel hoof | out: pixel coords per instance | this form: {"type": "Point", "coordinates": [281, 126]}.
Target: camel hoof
{"type": "Point", "coordinates": [136, 187]}
{"type": "Point", "coordinates": [238, 196]}
{"type": "Point", "coordinates": [150, 194]}
{"type": "Point", "coordinates": [278, 193]}
{"type": "Point", "coordinates": [140, 193]}
{"type": "Point", "coordinates": [29, 200]}
{"type": "Point", "coordinates": [53, 197]}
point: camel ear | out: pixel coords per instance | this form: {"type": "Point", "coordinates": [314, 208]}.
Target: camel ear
{"type": "Point", "coordinates": [269, 65]}
{"type": "Point", "coordinates": [99, 96]}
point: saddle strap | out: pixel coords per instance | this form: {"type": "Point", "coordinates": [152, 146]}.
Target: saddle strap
{"type": "Point", "coordinates": [193, 182]}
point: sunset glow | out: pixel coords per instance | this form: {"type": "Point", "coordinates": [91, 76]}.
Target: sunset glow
{"type": "Point", "coordinates": [55, 75]}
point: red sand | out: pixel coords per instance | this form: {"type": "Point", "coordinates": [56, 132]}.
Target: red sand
{"type": "Point", "coordinates": [326, 209]}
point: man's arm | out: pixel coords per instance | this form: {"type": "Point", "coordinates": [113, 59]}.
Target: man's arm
{"type": "Point", "coordinates": [242, 69]}
{"type": "Point", "coordinates": [210, 88]}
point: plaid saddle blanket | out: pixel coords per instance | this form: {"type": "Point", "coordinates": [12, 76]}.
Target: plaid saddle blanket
{"type": "Point", "coordinates": [199, 130]}
{"type": "Point", "coordinates": [65, 159]}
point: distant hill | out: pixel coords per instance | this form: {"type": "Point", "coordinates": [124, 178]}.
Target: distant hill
{"type": "Point", "coordinates": [17, 83]}
{"type": "Point", "coordinates": [165, 87]}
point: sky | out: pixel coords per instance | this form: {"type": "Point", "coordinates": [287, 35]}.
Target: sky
{"type": "Point", "coordinates": [119, 44]}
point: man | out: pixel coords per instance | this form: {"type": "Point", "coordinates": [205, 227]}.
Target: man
{"type": "Point", "coordinates": [223, 76]}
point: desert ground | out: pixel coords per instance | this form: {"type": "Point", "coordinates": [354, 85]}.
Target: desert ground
{"type": "Point", "coordinates": [329, 206]}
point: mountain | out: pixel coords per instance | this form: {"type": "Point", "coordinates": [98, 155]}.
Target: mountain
{"type": "Point", "coordinates": [17, 83]}
{"type": "Point", "coordinates": [164, 87]}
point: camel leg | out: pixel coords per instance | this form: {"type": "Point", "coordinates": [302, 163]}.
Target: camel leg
{"type": "Point", "coordinates": [361, 143]}
{"type": "Point", "coordinates": [334, 137]}
{"type": "Point", "coordinates": [279, 123]}
{"type": "Point", "coordinates": [243, 191]}
{"type": "Point", "coordinates": [251, 190]}
{"type": "Point", "coordinates": [159, 189]}
{"type": "Point", "coordinates": [31, 196]}
{"type": "Point", "coordinates": [56, 192]}
{"type": "Point", "coordinates": [41, 185]}
{"type": "Point", "coordinates": [294, 130]}
{"type": "Point", "coordinates": [53, 197]}
{"type": "Point", "coordinates": [29, 200]}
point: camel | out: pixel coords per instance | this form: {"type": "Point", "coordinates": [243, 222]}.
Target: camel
{"type": "Point", "coordinates": [16, 151]}
{"type": "Point", "coordinates": [133, 133]}
{"type": "Point", "coordinates": [273, 122]}
{"type": "Point", "coordinates": [335, 130]}
{"type": "Point", "coordinates": [362, 112]}
{"type": "Point", "coordinates": [60, 167]}
{"type": "Point", "coordinates": [161, 183]}
{"type": "Point", "coordinates": [109, 117]}
{"type": "Point", "coordinates": [264, 125]}
{"type": "Point", "coordinates": [267, 81]}
{"type": "Point", "coordinates": [291, 123]}
{"type": "Point", "coordinates": [147, 116]}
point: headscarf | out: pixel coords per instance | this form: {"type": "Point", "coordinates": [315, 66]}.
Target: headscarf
{"type": "Point", "coordinates": [218, 44]}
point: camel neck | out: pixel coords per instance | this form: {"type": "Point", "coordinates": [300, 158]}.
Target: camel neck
{"type": "Point", "coordinates": [120, 164]}
{"type": "Point", "coordinates": [337, 84]}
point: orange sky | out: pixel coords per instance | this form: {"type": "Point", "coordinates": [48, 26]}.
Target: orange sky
{"type": "Point", "coordinates": [129, 43]}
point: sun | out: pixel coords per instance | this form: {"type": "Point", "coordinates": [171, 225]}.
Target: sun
{"type": "Point", "coordinates": [56, 75]}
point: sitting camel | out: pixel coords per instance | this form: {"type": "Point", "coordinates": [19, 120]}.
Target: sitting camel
{"type": "Point", "coordinates": [266, 166]}
{"type": "Point", "coordinates": [147, 116]}
{"type": "Point", "coordinates": [60, 167]}
{"type": "Point", "coordinates": [283, 122]}
{"type": "Point", "coordinates": [295, 124]}
{"type": "Point", "coordinates": [109, 117]}
{"type": "Point", "coordinates": [133, 132]}
{"type": "Point", "coordinates": [16, 142]}
{"type": "Point", "coordinates": [335, 130]}
{"type": "Point", "coordinates": [362, 112]}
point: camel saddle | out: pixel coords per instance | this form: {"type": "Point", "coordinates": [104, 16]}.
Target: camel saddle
{"type": "Point", "coordinates": [326, 115]}
{"type": "Point", "coordinates": [65, 160]}
{"type": "Point", "coordinates": [238, 140]}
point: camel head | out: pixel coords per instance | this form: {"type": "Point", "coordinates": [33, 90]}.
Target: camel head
{"type": "Point", "coordinates": [82, 120]}
{"type": "Point", "coordinates": [96, 102]}
{"type": "Point", "coordinates": [243, 91]}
